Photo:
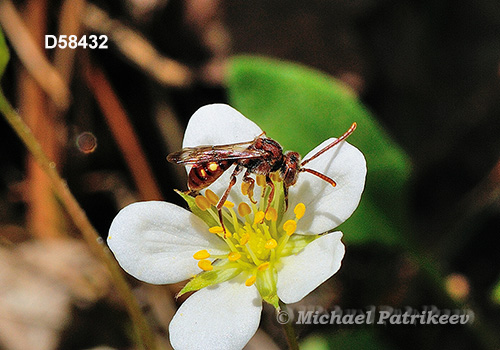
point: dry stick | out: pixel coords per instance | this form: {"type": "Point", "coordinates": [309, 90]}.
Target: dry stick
{"type": "Point", "coordinates": [123, 133]}
{"type": "Point", "coordinates": [145, 335]}
{"type": "Point", "coordinates": [70, 23]}
{"type": "Point", "coordinates": [31, 56]}
{"type": "Point", "coordinates": [44, 216]}
{"type": "Point", "coordinates": [138, 50]}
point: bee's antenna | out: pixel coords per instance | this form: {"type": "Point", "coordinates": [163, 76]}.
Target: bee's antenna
{"type": "Point", "coordinates": [320, 175]}
{"type": "Point", "coordinates": [340, 139]}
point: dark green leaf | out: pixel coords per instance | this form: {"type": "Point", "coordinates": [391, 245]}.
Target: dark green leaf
{"type": "Point", "coordinates": [366, 339]}
{"type": "Point", "coordinates": [300, 108]}
{"type": "Point", "coordinates": [4, 53]}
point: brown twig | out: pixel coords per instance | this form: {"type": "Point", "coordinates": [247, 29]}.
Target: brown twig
{"type": "Point", "coordinates": [138, 50]}
{"type": "Point", "coordinates": [46, 76]}
{"type": "Point", "coordinates": [70, 23]}
{"type": "Point", "coordinates": [123, 132]}
{"type": "Point", "coordinates": [44, 216]}
{"type": "Point", "coordinates": [81, 221]}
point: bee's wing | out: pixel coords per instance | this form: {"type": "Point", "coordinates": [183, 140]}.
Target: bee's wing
{"type": "Point", "coordinates": [204, 154]}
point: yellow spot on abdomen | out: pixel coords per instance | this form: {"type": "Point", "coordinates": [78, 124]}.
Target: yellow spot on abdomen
{"type": "Point", "coordinates": [213, 166]}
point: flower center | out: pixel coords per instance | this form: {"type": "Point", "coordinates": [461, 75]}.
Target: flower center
{"type": "Point", "coordinates": [253, 232]}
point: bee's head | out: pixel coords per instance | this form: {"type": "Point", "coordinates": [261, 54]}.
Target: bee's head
{"type": "Point", "coordinates": [291, 168]}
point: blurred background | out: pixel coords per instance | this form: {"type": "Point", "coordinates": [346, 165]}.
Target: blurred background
{"type": "Point", "coordinates": [425, 76]}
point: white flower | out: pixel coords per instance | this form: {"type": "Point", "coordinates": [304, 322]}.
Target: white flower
{"type": "Point", "coordinates": [264, 256]}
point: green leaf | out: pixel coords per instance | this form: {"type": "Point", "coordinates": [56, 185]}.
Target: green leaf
{"type": "Point", "coordinates": [366, 339]}
{"type": "Point", "coordinates": [4, 53]}
{"type": "Point", "coordinates": [495, 294]}
{"type": "Point", "coordinates": [300, 108]}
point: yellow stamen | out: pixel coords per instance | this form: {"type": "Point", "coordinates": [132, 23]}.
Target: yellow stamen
{"type": "Point", "coordinates": [216, 229]}
{"type": "Point", "coordinates": [259, 217]}
{"type": "Point", "coordinates": [290, 226]}
{"type": "Point", "coordinates": [205, 265]}
{"type": "Point", "coordinates": [244, 238]}
{"type": "Point", "coordinates": [276, 177]}
{"type": "Point", "coordinates": [233, 256]}
{"type": "Point", "coordinates": [272, 214]}
{"type": "Point", "coordinates": [244, 209]}
{"type": "Point", "coordinates": [228, 204]}
{"type": "Point", "coordinates": [264, 266]}
{"type": "Point", "coordinates": [212, 197]}
{"type": "Point", "coordinates": [271, 244]}
{"type": "Point", "coordinates": [202, 202]}
{"type": "Point", "coordinates": [299, 210]}
{"type": "Point", "coordinates": [201, 254]}
{"type": "Point", "coordinates": [261, 180]}
{"type": "Point", "coordinates": [244, 188]}
{"type": "Point", "coordinates": [250, 281]}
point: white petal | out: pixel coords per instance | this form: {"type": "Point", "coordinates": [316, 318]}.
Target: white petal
{"type": "Point", "coordinates": [302, 273]}
{"type": "Point", "coordinates": [220, 317]}
{"type": "Point", "coordinates": [219, 124]}
{"type": "Point", "coordinates": [155, 241]}
{"type": "Point", "coordinates": [327, 206]}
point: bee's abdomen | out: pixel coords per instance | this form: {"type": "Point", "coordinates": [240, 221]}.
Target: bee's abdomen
{"type": "Point", "coordinates": [203, 175]}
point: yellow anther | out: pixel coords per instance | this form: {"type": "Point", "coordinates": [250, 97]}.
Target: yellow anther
{"type": "Point", "coordinates": [212, 197]}
{"type": "Point", "coordinates": [276, 176]}
{"type": "Point", "coordinates": [299, 210]}
{"type": "Point", "coordinates": [259, 217]}
{"type": "Point", "coordinates": [290, 226]}
{"type": "Point", "coordinates": [271, 244]}
{"type": "Point", "coordinates": [244, 209]}
{"type": "Point", "coordinates": [271, 214]}
{"type": "Point", "coordinates": [250, 281]}
{"type": "Point", "coordinates": [202, 202]}
{"type": "Point", "coordinates": [228, 204]}
{"type": "Point", "coordinates": [213, 166]}
{"type": "Point", "coordinates": [244, 238]}
{"type": "Point", "coordinates": [261, 180]}
{"type": "Point", "coordinates": [264, 266]}
{"type": "Point", "coordinates": [205, 265]}
{"type": "Point", "coordinates": [233, 256]}
{"type": "Point", "coordinates": [216, 229]}
{"type": "Point", "coordinates": [244, 188]}
{"type": "Point", "coordinates": [201, 254]}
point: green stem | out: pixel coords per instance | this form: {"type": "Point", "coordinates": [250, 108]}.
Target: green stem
{"type": "Point", "coordinates": [291, 337]}
{"type": "Point", "coordinates": [89, 233]}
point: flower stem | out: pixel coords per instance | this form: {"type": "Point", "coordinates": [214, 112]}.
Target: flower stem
{"type": "Point", "coordinates": [81, 221]}
{"type": "Point", "coordinates": [291, 337]}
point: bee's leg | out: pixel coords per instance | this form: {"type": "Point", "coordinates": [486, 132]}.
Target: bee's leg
{"type": "Point", "coordinates": [285, 191]}
{"type": "Point", "coordinates": [251, 184]}
{"type": "Point", "coordinates": [271, 194]}
{"type": "Point", "coordinates": [222, 199]}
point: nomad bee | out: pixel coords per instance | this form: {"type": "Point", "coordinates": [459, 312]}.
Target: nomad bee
{"type": "Point", "coordinates": [261, 156]}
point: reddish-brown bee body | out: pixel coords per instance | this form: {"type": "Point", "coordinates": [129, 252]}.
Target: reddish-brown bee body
{"type": "Point", "coordinates": [261, 156]}
{"type": "Point", "coordinates": [204, 174]}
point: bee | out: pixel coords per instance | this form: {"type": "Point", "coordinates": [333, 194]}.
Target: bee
{"type": "Point", "coordinates": [261, 156]}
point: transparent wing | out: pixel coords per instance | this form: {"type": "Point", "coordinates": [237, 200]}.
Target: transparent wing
{"type": "Point", "coordinates": [204, 154]}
